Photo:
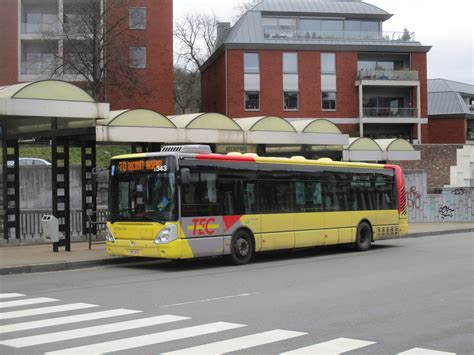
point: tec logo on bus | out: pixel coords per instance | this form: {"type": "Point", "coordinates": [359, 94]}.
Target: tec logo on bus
{"type": "Point", "coordinates": [203, 226]}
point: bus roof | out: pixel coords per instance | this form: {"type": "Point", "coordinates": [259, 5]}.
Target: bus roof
{"type": "Point", "coordinates": [251, 157]}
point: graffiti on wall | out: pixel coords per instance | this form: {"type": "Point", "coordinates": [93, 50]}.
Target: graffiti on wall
{"type": "Point", "coordinates": [445, 211]}
{"type": "Point", "coordinates": [414, 198]}
{"type": "Point", "coordinates": [458, 192]}
{"type": "Point", "coordinates": [446, 205]}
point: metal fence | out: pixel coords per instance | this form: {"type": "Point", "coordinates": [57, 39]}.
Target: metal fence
{"type": "Point", "coordinates": [30, 224]}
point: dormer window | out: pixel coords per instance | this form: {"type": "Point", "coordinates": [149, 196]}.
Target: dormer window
{"type": "Point", "coordinates": [308, 28]}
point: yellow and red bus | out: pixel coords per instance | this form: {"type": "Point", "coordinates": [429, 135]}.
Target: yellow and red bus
{"type": "Point", "coordinates": [185, 202]}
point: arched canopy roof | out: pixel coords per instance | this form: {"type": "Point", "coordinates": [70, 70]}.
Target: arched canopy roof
{"type": "Point", "coordinates": [137, 118]}
{"type": "Point", "coordinates": [46, 90]}
{"type": "Point", "coordinates": [363, 143]}
{"type": "Point", "coordinates": [366, 149]}
{"type": "Point", "coordinates": [395, 144]}
{"type": "Point", "coordinates": [214, 121]}
{"type": "Point", "coordinates": [398, 149]}
{"type": "Point", "coordinates": [362, 149]}
{"type": "Point", "coordinates": [49, 108]}
{"type": "Point", "coordinates": [316, 126]}
{"type": "Point", "coordinates": [265, 123]}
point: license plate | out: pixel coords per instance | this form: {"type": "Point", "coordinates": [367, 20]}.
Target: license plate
{"type": "Point", "coordinates": [134, 252]}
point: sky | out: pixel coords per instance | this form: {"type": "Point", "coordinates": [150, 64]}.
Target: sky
{"type": "Point", "coordinates": [447, 26]}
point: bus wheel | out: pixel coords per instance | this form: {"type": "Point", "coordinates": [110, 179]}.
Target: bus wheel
{"type": "Point", "coordinates": [241, 248]}
{"type": "Point", "coordinates": [363, 237]}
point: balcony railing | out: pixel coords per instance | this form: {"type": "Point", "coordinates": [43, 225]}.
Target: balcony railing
{"type": "Point", "coordinates": [369, 74]}
{"type": "Point", "coordinates": [390, 112]}
{"type": "Point", "coordinates": [274, 32]}
{"type": "Point", "coordinates": [44, 27]}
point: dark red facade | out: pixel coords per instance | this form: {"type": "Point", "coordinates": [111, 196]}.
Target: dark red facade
{"type": "Point", "coordinates": [154, 84]}
{"type": "Point", "coordinates": [448, 130]}
{"type": "Point", "coordinates": [9, 42]}
{"type": "Point", "coordinates": [223, 87]}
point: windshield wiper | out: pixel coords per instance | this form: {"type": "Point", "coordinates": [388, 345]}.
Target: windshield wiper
{"type": "Point", "coordinates": [154, 219]}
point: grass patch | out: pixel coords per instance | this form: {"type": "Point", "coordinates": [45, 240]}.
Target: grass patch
{"type": "Point", "coordinates": [103, 153]}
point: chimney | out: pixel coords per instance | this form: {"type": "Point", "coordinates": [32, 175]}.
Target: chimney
{"type": "Point", "coordinates": [222, 31]}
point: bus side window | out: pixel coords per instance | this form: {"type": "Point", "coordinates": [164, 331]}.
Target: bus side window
{"type": "Point", "coordinates": [300, 197]}
{"type": "Point", "coordinates": [312, 197]}
{"type": "Point", "coordinates": [384, 189]}
{"type": "Point", "coordinates": [276, 196]}
{"type": "Point", "coordinates": [249, 197]}
{"type": "Point", "coordinates": [227, 196]}
{"type": "Point", "coordinates": [328, 194]}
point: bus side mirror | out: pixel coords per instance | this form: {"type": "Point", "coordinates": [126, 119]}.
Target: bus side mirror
{"type": "Point", "coordinates": [185, 175]}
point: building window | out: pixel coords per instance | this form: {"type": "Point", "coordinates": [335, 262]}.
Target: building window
{"type": "Point", "coordinates": [77, 57]}
{"type": "Point", "coordinates": [252, 81]}
{"type": "Point", "coordinates": [138, 57]}
{"type": "Point", "coordinates": [252, 100]}
{"type": "Point", "coordinates": [328, 63]}
{"type": "Point", "coordinates": [290, 63]}
{"type": "Point", "coordinates": [137, 18]}
{"type": "Point", "coordinates": [38, 57]}
{"type": "Point", "coordinates": [37, 22]}
{"type": "Point", "coordinates": [290, 81]}
{"type": "Point", "coordinates": [283, 27]}
{"type": "Point", "coordinates": [328, 101]}
{"type": "Point", "coordinates": [251, 63]}
{"type": "Point", "coordinates": [328, 81]}
{"type": "Point", "coordinates": [290, 100]}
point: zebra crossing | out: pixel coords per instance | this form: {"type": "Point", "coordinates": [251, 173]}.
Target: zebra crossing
{"type": "Point", "coordinates": [11, 337]}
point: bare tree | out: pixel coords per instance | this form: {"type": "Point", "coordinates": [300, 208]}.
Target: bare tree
{"type": "Point", "coordinates": [242, 7]}
{"type": "Point", "coordinates": [187, 90]}
{"type": "Point", "coordinates": [94, 47]}
{"type": "Point", "coordinates": [196, 37]}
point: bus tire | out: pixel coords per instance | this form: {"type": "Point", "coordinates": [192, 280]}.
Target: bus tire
{"type": "Point", "coordinates": [241, 248]}
{"type": "Point", "coordinates": [363, 237]}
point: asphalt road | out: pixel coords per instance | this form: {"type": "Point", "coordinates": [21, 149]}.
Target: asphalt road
{"type": "Point", "coordinates": [415, 293]}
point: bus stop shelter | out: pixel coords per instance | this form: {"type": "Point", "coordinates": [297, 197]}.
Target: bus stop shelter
{"type": "Point", "coordinates": [65, 115]}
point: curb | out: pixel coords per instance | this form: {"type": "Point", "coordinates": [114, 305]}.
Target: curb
{"type": "Point", "coordinates": [84, 264]}
{"type": "Point", "coordinates": [426, 234]}
{"type": "Point", "coordinates": [65, 265]}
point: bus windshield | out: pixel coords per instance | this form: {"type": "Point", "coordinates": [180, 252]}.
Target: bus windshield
{"type": "Point", "coordinates": [148, 194]}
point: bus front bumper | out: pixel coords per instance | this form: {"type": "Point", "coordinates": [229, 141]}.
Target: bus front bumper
{"type": "Point", "coordinates": [146, 248]}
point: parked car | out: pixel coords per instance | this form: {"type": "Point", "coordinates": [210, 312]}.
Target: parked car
{"type": "Point", "coordinates": [29, 162]}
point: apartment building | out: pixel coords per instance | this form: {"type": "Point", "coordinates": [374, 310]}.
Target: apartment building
{"type": "Point", "coordinates": [330, 59]}
{"type": "Point", "coordinates": [131, 40]}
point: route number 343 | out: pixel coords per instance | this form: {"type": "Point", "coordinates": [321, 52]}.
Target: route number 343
{"type": "Point", "coordinates": [160, 169]}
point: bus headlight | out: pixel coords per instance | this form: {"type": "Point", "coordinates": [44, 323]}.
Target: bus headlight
{"type": "Point", "coordinates": [167, 235]}
{"type": "Point", "coordinates": [109, 236]}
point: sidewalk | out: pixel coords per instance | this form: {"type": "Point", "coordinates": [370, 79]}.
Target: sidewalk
{"type": "Point", "coordinates": [19, 259]}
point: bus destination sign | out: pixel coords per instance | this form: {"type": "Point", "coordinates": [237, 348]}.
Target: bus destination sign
{"type": "Point", "coordinates": [126, 166]}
